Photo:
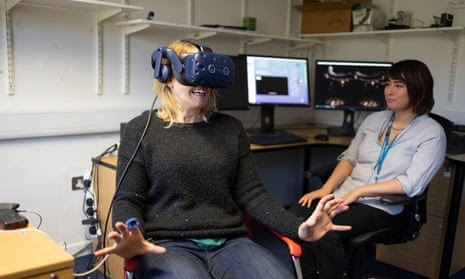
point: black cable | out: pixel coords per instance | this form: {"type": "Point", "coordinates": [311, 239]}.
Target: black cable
{"type": "Point", "coordinates": [123, 174]}
{"type": "Point", "coordinates": [36, 213]}
{"type": "Point", "coordinates": [255, 122]}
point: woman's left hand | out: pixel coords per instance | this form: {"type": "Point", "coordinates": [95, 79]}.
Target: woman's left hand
{"type": "Point", "coordinates": [319, 223]}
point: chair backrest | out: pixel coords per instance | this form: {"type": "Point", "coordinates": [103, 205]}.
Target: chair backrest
{"type": "Point", "coordinates": [446, 124]}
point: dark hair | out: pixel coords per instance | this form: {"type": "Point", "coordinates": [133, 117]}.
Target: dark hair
{"type": "Point", "coordinates": [416, 75]}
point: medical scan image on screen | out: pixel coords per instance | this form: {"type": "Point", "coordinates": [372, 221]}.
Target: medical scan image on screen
{"type": "Point", "coordinates": [349, 85]}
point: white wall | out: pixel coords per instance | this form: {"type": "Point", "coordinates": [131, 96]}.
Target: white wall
{"type": "Point", "coordinates": [436, 50]}
{"type": "Point", "coordinates": [55, 122]}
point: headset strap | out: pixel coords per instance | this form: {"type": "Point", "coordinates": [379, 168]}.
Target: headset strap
{"type": "Point", "coordinates": [199, 44]}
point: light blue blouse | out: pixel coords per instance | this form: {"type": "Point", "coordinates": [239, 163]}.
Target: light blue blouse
{"type": "Point", "coordinates": [415, 157]}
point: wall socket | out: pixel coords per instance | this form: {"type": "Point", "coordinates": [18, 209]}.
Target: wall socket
{"type": "Point", "coordinates": [77, 183]}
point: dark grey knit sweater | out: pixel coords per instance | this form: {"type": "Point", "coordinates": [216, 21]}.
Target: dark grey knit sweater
{"type": "Point", "coordinates": [192, 180]}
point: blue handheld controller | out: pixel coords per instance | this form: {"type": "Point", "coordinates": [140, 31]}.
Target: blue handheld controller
{"type": "Point", "coordinates": [132, 223]}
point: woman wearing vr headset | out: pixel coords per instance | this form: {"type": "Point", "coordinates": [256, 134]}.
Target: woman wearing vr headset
{"type": "Point", "coordinates": [190, 181]}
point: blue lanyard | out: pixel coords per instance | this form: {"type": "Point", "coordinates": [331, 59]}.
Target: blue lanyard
{"type": "Point", "coordinates": [385, 148]}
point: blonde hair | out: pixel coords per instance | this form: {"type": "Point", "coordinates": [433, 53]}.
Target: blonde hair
{"type": "Point", "coordinates": [169, 106]}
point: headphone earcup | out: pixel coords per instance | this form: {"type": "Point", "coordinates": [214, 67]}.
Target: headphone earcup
{"type": "Point", "coordinates": [162, 72]}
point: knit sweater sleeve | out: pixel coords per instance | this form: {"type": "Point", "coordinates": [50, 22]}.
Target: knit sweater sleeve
{"type": "Point", "coordinates": [254, 198]}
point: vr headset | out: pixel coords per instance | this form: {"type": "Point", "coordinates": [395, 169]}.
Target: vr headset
{"type": "Point", "coordinates": [203, 68]}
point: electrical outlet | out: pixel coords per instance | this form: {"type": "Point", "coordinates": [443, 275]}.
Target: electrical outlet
{"type": "Point", "coordinates": [77, 183]}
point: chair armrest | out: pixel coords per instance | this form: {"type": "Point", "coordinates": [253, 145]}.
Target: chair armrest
{"type": "Point", "coordinates": [294, 248]}
{"type": "Point", "coordinates": [401, 199]}
{"type": "Point", "coordinates": [130, 265]}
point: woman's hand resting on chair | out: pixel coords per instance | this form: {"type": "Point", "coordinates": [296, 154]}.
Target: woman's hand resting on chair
{"type": "Point", "coordinates": [307, 199]}
{"type": "Point", "coordinates": [129, 244]}
{"type": "Point", "coordinates": [319, 223]}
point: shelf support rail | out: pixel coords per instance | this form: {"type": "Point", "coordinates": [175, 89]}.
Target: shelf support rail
{"type": "Point", "coordinates": [8, 40]}
{"type": "Point", "coordinates": [101, 17]}
{"type": "Point", "coordinates": [453, 69]}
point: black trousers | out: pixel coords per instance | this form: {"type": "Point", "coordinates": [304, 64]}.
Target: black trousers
{"type": "Point", "coordinates": [327, 257]}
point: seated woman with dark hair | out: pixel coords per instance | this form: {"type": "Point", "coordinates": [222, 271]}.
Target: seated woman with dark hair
{"type": "Point", "coordinates": [396, 151]}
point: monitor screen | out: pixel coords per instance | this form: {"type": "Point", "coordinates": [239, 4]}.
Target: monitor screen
{"type": "Point", "coordinates": [276, 80]}
{"type": "Point", "coordinates": [350, 85]}
{"type": "Point", "coordinates": [235, 97]}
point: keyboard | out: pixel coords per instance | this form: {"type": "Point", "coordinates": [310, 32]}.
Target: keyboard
{"type": "Point", "coordinates": [276, 138]}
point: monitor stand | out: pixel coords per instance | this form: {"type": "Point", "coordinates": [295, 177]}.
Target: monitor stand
{"type": "Point", "coordinates": [267, 119]}
{"type": "Point", "coordinates": [268, 135]}
{"type": "Point", "coordinates": [347, 129]}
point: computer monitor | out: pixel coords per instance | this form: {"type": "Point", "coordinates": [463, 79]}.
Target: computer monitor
{"type": "Point", "coordinates": [235, 97]}
{"type": "Point", "coordinates": [276, 81]}
{"type": "Point", "coordinates": [349, 86]}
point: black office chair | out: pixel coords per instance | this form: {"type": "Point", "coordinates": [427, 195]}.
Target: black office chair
{"type": "Point", "coordinates": [415, 208]}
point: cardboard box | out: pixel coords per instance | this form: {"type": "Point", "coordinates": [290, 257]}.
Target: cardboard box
{"type": "Point", "coordinates": [325, 17]}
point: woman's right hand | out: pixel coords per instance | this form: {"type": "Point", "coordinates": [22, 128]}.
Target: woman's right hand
{"type": "Point", "coordinates": [129, 243]}
{"type": "Point", "coordinates": [307, 199]}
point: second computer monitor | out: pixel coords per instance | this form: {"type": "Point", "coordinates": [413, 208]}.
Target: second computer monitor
{"type": "Point", "coordinates": [350, 86]}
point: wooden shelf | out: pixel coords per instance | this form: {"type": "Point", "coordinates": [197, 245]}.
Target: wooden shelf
{"type": "Point", "coordinates": [388, 33]}
{"type": "Point", "coordinates": [251, 37]}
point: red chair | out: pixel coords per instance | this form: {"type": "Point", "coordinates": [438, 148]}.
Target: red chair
{"type": "Point", "coordinates": [294, 249]}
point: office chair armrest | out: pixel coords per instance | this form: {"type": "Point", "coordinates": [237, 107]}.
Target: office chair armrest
{"type": "Point", "coordinates": [401, 199]}
{"type": "Point", "coordinates": [130, 265]}
{"type": "Point", "coordinates": [294, 248]}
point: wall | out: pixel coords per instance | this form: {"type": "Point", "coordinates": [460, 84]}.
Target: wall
{"type": "Point", "coordinates": [55, 122]}
{"type": "Point", "coordinates": [436, 50]}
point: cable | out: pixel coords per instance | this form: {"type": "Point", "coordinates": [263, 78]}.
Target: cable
{"type": "Point", "coordinates": [255, 122]}
{"type": "Point", "coordinates": [123, 174]}
{"type": "Point", "coordinates": [110, 150]}
{"type": "Point", "coordinates": [93, 269]}
{"type": "Point", "coordinates": [34, 212]}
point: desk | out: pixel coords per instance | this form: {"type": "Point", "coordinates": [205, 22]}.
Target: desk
{"type": "Point", "coordinates": [305, 130]}
{"type": "Point", "coordinates": [453, 215]}
{"type": "Point", "coordinates": [282, 171]}
{"type": "Point", "coordinates": [29, 253]}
